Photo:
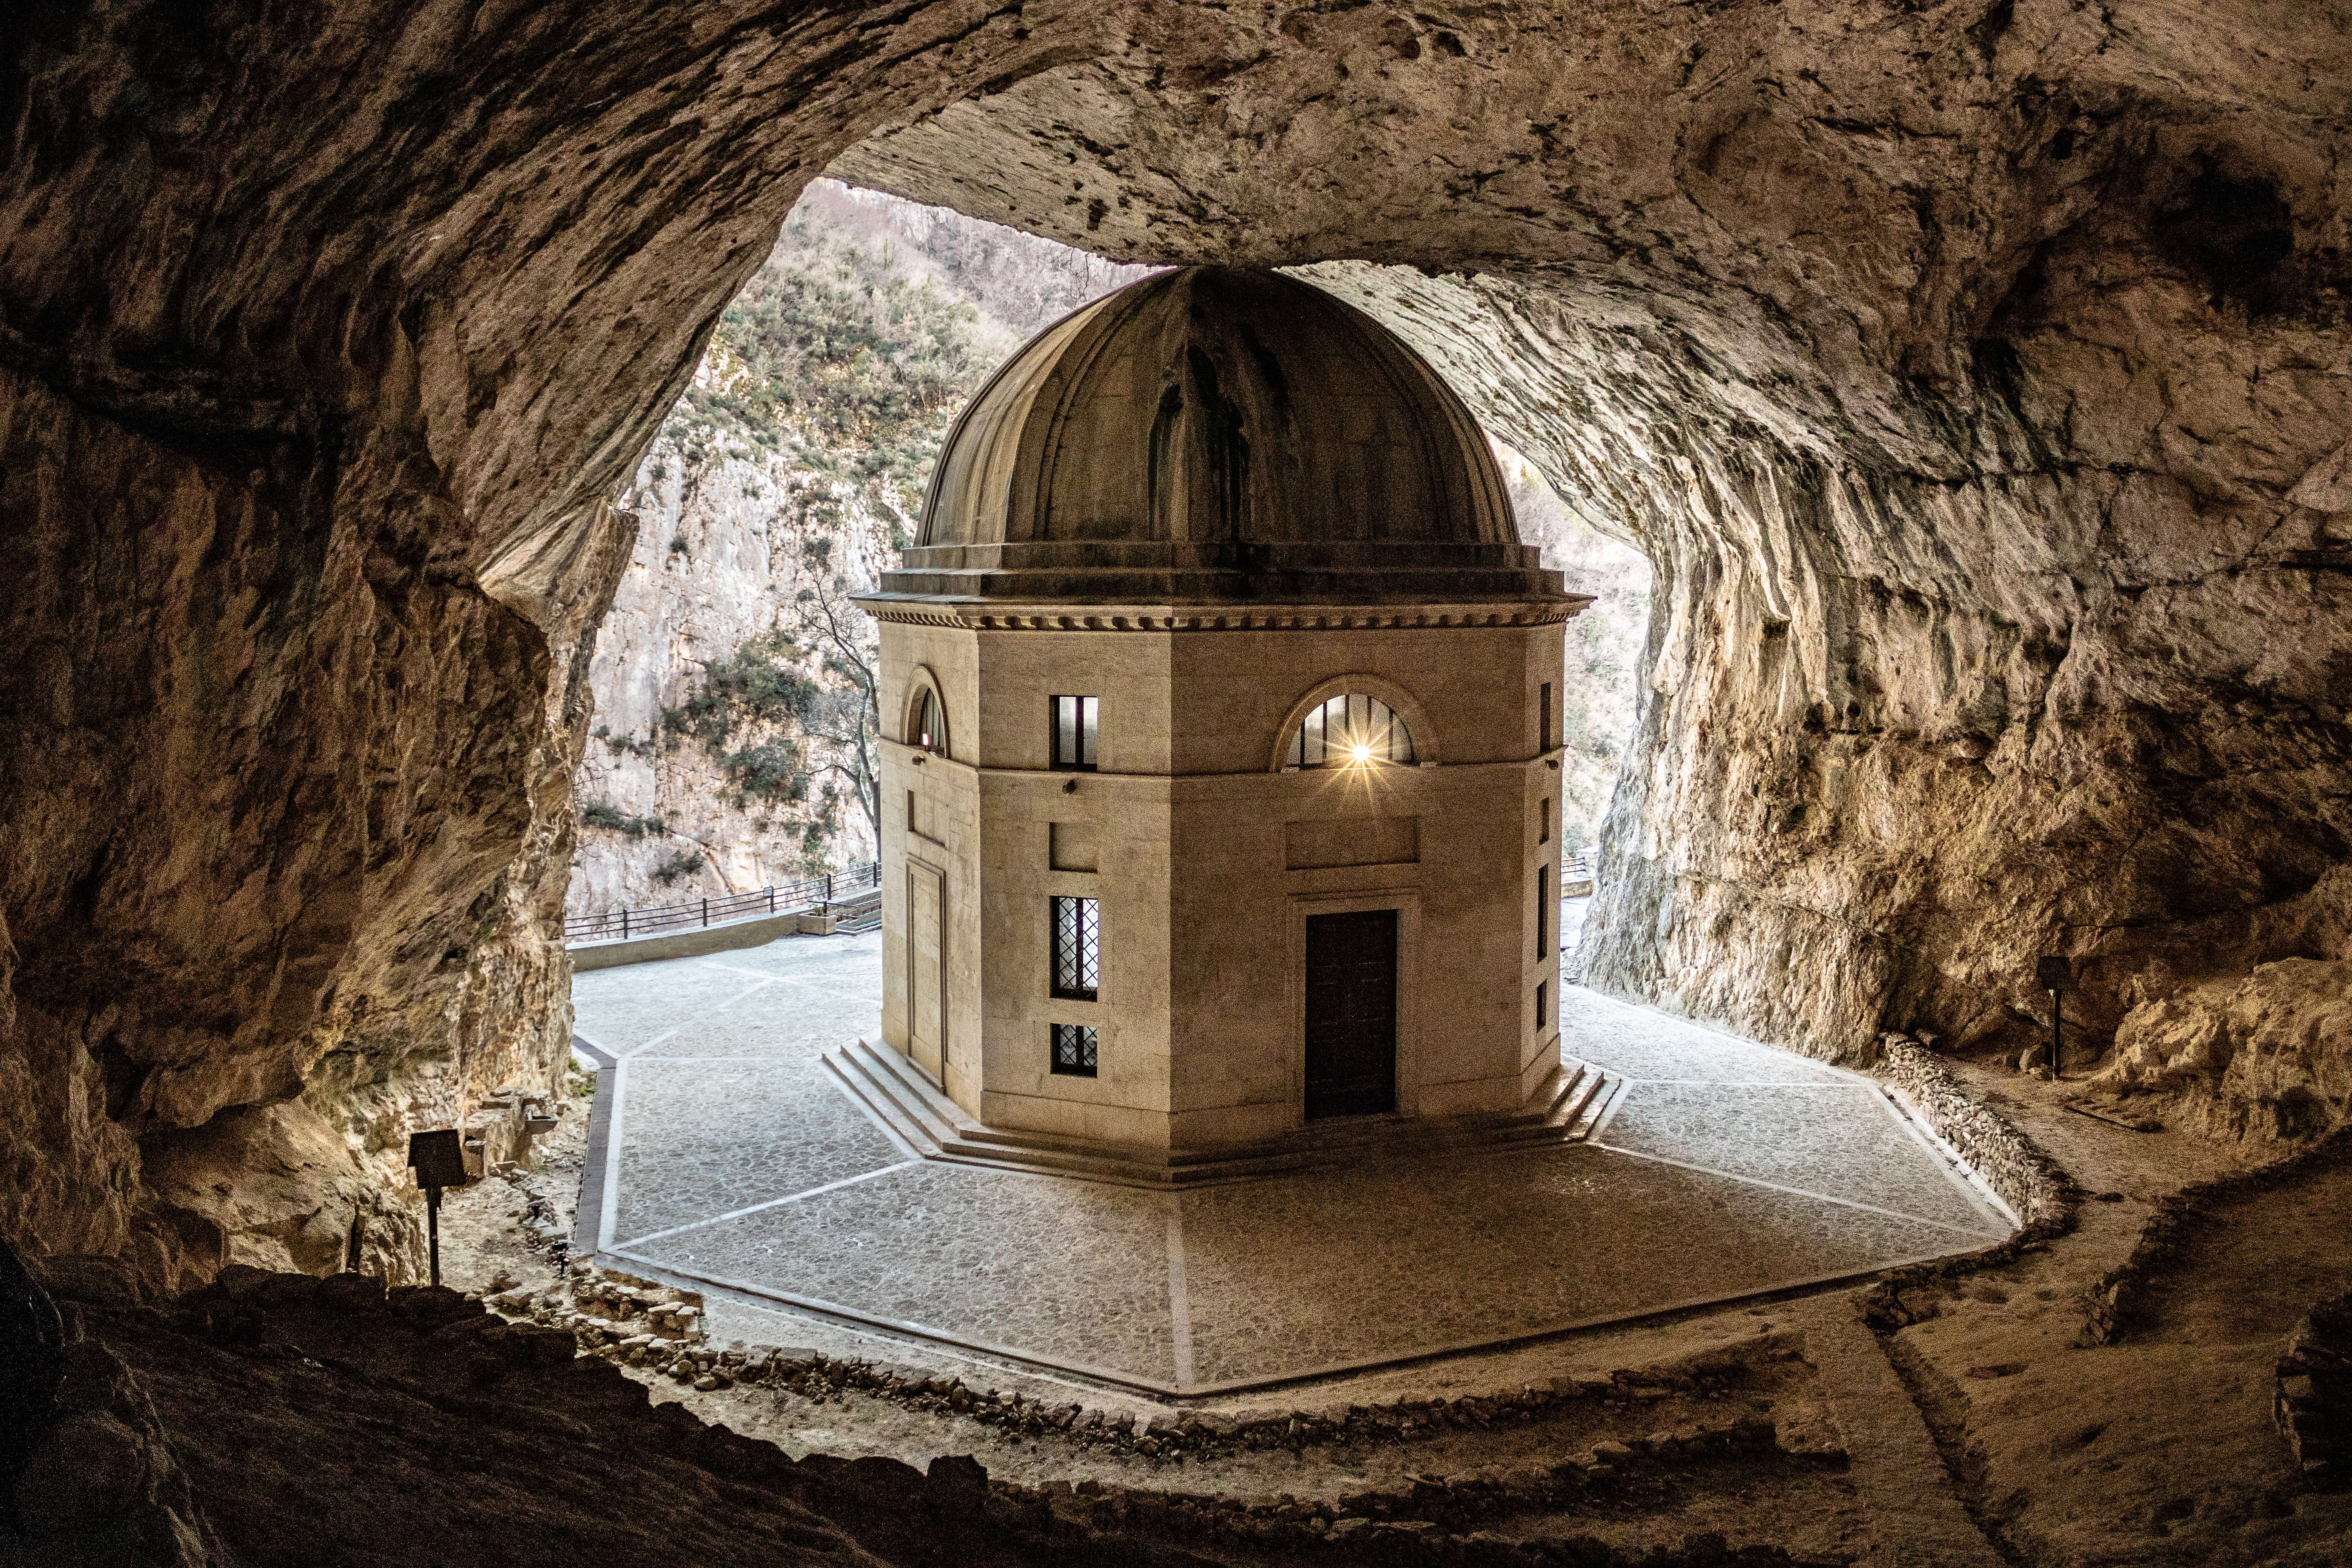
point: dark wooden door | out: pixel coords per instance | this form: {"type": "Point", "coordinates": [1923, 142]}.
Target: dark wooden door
{"type": "Point", "coordinates": [1351, 964]}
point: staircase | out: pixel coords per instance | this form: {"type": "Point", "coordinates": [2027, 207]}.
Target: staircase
{"type": "Point", "coordinates": [1564, 1108]}
{"type": "Point", "coordinates": [861, 913]}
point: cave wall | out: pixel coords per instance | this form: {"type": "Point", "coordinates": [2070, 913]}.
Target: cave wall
{"type": "Point", "coordinates": [1975, 374]}
{"type": "Point", "coordinates": [322, 338]}
{"type": "Point", "coordinates": [1976, 377]}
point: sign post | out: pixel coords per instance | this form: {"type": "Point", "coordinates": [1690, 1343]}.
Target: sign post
{"type": "Point", "coordinates": [439, 1161]}
{"type": "Point", "coordinates": [2057, 977]}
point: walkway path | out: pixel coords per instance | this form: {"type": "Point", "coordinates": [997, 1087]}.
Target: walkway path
{"type": "Point", "coordinates": [1723, 1169]}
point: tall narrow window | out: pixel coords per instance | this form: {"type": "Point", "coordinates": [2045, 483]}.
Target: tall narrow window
{"type": "Point", "coordinates": [1074, 1049]}
{"type": "Point", "coordinates": [1074, 732]}
{"type": "Point", "coordinates": [1543, 720]}
{"type": "Point", "coordinates": [930, 722]}
{"type": "Point", "coordinates": [1077, 948]}
{"type": "Point", "coordinates": [1543, 912]}
{"type": "Point", "coordinates": [1543, 824]}
{"type": "Point", "coordinates": [1543, 1005]}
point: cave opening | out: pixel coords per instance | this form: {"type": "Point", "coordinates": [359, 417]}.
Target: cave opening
{"type": "Point", "coordinates": [732, 749]}
{"type": "Point", "coordinates": [1975, 381]}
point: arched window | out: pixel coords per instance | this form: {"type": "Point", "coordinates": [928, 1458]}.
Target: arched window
{"type": "Point", "coordinates": [930, 730]}
{"type": "Point", "coordinates": [1348, 731]}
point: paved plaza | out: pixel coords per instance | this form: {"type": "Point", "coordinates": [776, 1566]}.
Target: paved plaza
{"type": "Point", "coordinates": [727, 1153]}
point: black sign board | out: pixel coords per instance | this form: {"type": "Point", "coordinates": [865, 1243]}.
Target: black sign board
{"type": "Point", "coordinates": [440, 1158]}
{"type": "Point", "coordinates": [2056, 974]}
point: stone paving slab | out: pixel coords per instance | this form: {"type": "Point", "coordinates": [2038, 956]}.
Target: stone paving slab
{"type": "Point", "coordinates": [1725, 1168]}
{"type": "Point", "coordinates": [1071, 1272]}
{"type": "Point", "coordinates": [1641, 1042]}
{"type": "Point", "coordinates": [702, 1139]}
{"type": "Point", "coordinates": [786, 1022]}
{"type": "Point", "coordinates": [1843, 1139]}
{"type": "Point", "coordinates": [1347, 1269]}
{"type": "Point", "coordinates": [622, 1009]}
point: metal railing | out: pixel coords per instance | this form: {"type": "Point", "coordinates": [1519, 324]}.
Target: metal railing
{"type": "Point", "coordinates": [792, 898]}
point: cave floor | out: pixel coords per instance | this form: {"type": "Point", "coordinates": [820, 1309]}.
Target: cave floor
{"type": "Point", "coordinates": [728, 1155]}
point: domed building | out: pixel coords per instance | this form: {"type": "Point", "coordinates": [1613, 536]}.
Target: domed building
{"type": "Point", "coordinates": [1221, 761]}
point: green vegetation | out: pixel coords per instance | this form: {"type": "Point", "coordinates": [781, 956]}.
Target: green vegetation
{"type": "Point", "coordinates": [771, 770]}
{"type": "Point", "coordinates": [833, 353]}
{"type": "Point", "coordinates": [680, 863]}
{"type": "Point", "coordinates": [628, 746]}
{"type": "Point", "coordinates": [606, 815]}
{"type": "Point", "coordinates": [757, 685]}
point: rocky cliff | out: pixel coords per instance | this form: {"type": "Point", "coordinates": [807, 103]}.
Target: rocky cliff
{"type": "Point", "coordinates": [1976, 376]}
{"type": "Point", "coordinates": [727, 545]}
{"type": "Point", "coordinates": [786, 478]}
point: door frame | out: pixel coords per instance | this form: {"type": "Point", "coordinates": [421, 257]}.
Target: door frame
{"type": "Point", "coordinates": [917, 867]}
{"type": "Point", "coordinates": [1406, 902]}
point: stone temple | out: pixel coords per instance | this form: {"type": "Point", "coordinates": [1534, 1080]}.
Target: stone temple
{"type": "Point", "coordinates": [1219, 797]}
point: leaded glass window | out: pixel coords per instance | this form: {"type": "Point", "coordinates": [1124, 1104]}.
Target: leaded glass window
{"type": "Point", "coordinates": [1351, 730]}
{"type": "Point", "coordinates": [1074, 1049]}
{"type": "Point", "coordinates": [1077, 948]}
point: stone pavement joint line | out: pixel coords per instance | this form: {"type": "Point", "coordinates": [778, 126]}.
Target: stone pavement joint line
{"type": "Point", "coordinates": [732, 1155]}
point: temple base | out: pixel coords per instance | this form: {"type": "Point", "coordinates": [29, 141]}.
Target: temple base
{"type": "Point", "coordinates": [1568, 1103]}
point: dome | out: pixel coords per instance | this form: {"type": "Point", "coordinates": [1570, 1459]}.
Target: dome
{"type": "Point", "coordinates": [1217, 433]}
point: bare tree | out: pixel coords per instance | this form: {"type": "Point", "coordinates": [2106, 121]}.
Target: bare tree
{"type": "Point", "coordinates": [848, 717]}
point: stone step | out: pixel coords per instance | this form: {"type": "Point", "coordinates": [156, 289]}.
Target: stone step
{"type": "Point", "coordinates": [1562, 1111]}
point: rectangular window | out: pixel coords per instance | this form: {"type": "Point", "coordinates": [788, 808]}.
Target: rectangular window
{"type": "Point", "coordinates": [1543, 913]}
{"type": "Point", "coordinates": [1543, 825]}
{"type": "Point", "coordinates": [1077, 948]}
{"type": "Point", "coordinates": [1543, 720]}
{"type": "Point", "coordinates": [1074, 1049]}
{"type": "Point", "coordinates": [1543, 1005]}
{"type": "Point", "coordinates": [1074, 732]}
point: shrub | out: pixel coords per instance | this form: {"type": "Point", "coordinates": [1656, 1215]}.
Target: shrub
{"type": "Point", "coordinates": [768, 772]}
{"type": "Point", "coordinates": [606, 815]}
{"type": "Point", "coordinates": [679, 863]}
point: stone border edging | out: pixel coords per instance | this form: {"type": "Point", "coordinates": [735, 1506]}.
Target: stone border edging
{"type": "Point", "coordinates": [2036, 1188]}
{"type": "Point", "coordinates": [2312, 1397]}
{"type": "Point", "coordinates": [2037, 1191]}
{"type": "Point", "coordinates": [623, 1318]}
{"type": "Point", "coordinates": [2114, 1303]}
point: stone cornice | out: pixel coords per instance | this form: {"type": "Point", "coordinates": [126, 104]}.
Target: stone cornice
{"type": "Point", "coordinates": [1016, 616]}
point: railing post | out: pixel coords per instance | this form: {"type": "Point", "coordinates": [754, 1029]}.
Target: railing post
{"type": "Point", "coordinates": [706, 911]}
{"type": "Point", "coordinates": [829, 887]}
{"type": "Point", "coordinates": [625, 925]}
{"type": "Point", "coordinates": [772, 898]}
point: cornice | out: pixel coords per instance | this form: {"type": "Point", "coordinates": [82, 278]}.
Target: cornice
{"type": "Point", "coordinates": [1006, 616]}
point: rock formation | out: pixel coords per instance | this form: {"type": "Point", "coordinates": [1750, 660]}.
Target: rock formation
{"type": "Point", "coordinates": [721, 560]}
{"type": "Point", "coordinates": [793, 466]}
{"type": "Point", "coordinates": [1975, 374]}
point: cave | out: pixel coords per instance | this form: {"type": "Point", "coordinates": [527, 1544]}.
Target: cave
{"type": "Point", "coordinates": [1973, 375]}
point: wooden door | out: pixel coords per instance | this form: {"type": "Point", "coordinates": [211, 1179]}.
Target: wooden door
{"type": "Point", "coordinates": [1351, 986]}
{"type": "Point", "coordinates": [927, 980]}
